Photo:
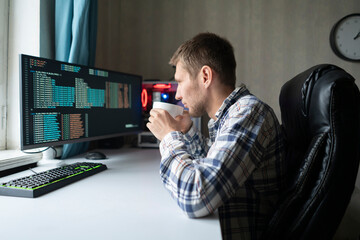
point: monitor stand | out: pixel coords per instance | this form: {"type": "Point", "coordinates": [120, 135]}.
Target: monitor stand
{"type": "Point", "coordinates": [49, 158]}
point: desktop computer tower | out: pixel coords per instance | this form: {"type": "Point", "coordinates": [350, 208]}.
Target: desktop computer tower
{"type": "Point", "coordinates": [157, 91]}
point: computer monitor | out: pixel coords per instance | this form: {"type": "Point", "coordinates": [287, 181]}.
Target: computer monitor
{"type": "Point", "coordinates": [67, 103]}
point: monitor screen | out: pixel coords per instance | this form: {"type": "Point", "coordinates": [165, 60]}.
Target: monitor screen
{"type": "Point", "coordinates": [67, 103]}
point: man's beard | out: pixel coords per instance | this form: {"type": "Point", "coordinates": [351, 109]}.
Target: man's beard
{"type": "Point", "coordinates": [198, 109]}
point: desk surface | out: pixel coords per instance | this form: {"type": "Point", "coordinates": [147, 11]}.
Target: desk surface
{"type": "Point", "coordinates": [126, 201]}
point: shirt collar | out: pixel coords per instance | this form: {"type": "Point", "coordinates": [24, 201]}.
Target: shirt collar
{"type": "Point", "coordinates": [231, 99]}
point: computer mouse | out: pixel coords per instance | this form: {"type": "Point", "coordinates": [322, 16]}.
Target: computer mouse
{"type": "Point", "coordinates": [95, 155]}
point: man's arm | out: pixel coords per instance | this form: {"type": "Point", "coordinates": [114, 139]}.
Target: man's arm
{"type": "Point", "coordinates": [201, 185]}
{"type": "Point", "coordinates": [196, 143]}
{"type": "Point", "coordinates": [161, 123]}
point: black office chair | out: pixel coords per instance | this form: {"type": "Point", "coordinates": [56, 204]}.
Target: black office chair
{"type": "Point", "coordinates": [320, 112]}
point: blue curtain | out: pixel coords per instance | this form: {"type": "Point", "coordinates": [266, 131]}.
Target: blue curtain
{"type": "Point", "coordinates": [75, 42]}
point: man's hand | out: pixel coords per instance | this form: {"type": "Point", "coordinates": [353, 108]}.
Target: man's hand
{"type": "Point", "coordinates": [161, 123]}
{"type": "Point", "coordinates": [184, 122]}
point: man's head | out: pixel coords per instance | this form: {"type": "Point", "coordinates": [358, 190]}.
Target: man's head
{"type": "Point", "coordinates": [210, 50]}
{"type": "Point", "coordinates": [203, 63]}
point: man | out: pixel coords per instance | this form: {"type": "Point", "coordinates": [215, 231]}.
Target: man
{"type": "Point", "coordinates": [239, 169]}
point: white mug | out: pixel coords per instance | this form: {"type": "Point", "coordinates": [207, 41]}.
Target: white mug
{"type": "Point", "coordinates": [173, 110]}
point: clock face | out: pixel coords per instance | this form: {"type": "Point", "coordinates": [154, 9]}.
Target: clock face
{"type": "Point", "coordinates": [345, 37]}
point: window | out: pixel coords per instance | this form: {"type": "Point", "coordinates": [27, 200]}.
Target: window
{"type": "Point", "coordinates": [4, 29]}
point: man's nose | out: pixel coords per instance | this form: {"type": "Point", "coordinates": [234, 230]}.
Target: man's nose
{"type": "Point", "coordinates": [177, 95]}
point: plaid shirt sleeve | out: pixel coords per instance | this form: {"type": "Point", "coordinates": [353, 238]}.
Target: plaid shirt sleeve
{"type": "Point", "coordinates": [197, 145]}
{"type": "Point", "coordinates": [201, 179]}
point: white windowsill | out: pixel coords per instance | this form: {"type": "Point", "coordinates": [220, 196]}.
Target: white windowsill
{"type": "Point", "coordinates": [16, 158]}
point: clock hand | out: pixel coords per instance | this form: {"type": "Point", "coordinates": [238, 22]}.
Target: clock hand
{"type": "Point", "coordinates": [357, 36]}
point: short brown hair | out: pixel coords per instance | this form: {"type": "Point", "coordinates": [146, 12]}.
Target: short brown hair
{"type": "Point", "coordinates": [211, 50]}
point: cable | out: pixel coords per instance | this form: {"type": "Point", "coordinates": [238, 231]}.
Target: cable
{"type": "Point", "coordinates": [38, 151]}
{"type": "Point", "coordinates": [33, 171]}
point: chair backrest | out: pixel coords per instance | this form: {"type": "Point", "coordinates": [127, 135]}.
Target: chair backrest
{"type": "Point", "coordinates": [320, 112]}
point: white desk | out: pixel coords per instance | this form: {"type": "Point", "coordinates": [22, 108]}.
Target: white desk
{"type": "Point", "coordinates": [126, 201]}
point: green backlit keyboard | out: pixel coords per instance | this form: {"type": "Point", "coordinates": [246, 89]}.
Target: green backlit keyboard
{"type": "Point", "coordinates": [43, 182]}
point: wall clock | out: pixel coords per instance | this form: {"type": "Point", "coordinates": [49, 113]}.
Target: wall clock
{"type": "Point", "coordinates": [345, 37]}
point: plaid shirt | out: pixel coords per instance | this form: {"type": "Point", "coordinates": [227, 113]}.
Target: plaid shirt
{"type": "Point", "coordinates": [238, 170]}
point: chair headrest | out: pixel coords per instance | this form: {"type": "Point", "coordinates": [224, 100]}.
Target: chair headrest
{"type": "Point", "coordinates": [304, 102]}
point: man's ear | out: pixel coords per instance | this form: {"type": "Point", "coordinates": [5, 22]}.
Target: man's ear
{"type": "Point", "coordinates": [206, 74]}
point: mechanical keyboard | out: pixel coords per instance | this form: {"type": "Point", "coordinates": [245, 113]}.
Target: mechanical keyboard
{"type": "Point", "coordinates": [43, 182]}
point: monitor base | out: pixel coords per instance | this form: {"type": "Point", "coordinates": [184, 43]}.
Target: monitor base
{"type": "Point", "coordinates": [50, 157]}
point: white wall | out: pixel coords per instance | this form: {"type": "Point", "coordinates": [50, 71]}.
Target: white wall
{"type": "Point", "coordinates": [24, 37]}
{"type": "Point", "coordinates": [4, 19]}
{"type": "Point", "coordinates": [274, 40]}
